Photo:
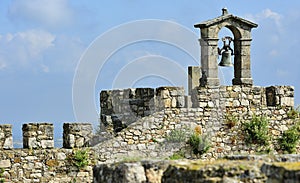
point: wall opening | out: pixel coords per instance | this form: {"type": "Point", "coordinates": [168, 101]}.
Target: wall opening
{"type": "Point", "coordinates": [271, 96]}
{"type": "Point", "coordinates": [226, 74]}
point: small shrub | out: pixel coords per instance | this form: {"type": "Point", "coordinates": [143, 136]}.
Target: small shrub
{"type": "Point", "coordinates": [256, 131]}
{"type": "Point", "coordinates": [293, 113]}
{"type": "Point", "coordinates": [289, 139]}
{"type": "Point", "coordinates": [176, 136]}
{"type": "Point", "coordinates": [80, 158]}
{"type": "Point", "coordinates": [199, 144]}
{"type": "Point", "coordinates": [231, 121]}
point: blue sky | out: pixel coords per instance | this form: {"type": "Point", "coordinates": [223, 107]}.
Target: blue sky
{"type": "Point", "coordinates": [43, 41]}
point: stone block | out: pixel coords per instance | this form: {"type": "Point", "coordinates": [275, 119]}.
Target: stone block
{"type": "Point", "coordinates": [165, 94]}
{"type": "Point", "coordinates": [245, 102]}
{"type": "Point", "coordinates": [180, 101]}
{"type": "Point", "coordinates": [77, 135]}
{"type": "Point", "coordinates": [210, 104]}
{"type": "Point", "coordinates": [167, 103]}
{"type": "Point", "coordinates": [8, 143]}
{"type": "Point", "coordinates": [173, 102]}
{"type": "Point", "coordinates": [6, 136]}
{"type": "Point", "coordinates": [287, 101]}
{"type": "Point", "coordinates": [38, 135]}
{"type": "Point", "coordinates": [45, 144]}
{"type": "Point", "coordinates": [236, 103]}
{"type": "Point", "coordinates": [194, 75]}
{"type": "Point", "coordinates": [5, 164]}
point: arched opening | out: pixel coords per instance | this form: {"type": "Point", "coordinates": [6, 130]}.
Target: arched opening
{"type": "Point", "coordinates": [225, 74]}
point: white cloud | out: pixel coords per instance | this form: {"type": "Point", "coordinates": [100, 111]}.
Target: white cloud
{"type": "Point", "coordinates": [39, 50]}
{"type": "Point", "coordinates": [36, 41]}
{"type": "Point", "coordinates": [274, 53]}
{"type": "Point", "coordinates": [2, 64]}
{"type": "Point", "coordinates": [267, 14]}
{"type": "Point", "coordinates": [51, 13]}
{"type": "Point", "coordinates": [24, 48]}
{"type": "Point", "coordinates": [282, 73]}
{"type": "Point", "coordinates": [45, 68]}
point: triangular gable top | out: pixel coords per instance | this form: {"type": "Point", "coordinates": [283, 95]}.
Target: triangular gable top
{"type": "Point", "coordinates": [223, 18]}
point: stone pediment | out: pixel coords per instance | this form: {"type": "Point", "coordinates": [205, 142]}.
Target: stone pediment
{"type": "Point", "coordinates": [224, 18]}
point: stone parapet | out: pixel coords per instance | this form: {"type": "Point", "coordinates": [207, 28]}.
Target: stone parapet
{"type": "Point", "coordinates": [6, 140]}
{"type": "Point", "coordinates": [119, 108]}
{"type": "Point", "coordinates": [45, 165]}
{"type": "Point", "coordinates": [38, 135]}
{"type": "Point", "coordinates": [170, 97]}
{"type": "Point", "coordinates": [247, 96]}
{"type": "Point", "coordinates": [77, 135]}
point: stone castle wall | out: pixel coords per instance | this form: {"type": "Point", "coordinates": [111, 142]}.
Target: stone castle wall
{"type": "Point", "coordinates": [209, 109]}
{"type": "Point", "coordinates": [119, 108]}
{"type": "Point", "coordinates": [39, 161]}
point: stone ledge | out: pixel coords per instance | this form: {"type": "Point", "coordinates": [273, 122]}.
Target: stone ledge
{"type": "Point", "coordinates": [255, 168]}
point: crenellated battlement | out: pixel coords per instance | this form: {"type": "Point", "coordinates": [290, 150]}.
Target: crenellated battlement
{"type": "Point", "coordinates": [120, 108]}
{"type": "Point", "coordinates": [40, 135]}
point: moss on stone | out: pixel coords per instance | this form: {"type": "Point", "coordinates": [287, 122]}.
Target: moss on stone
{"type": "Point", "coordinates": [288, 165]}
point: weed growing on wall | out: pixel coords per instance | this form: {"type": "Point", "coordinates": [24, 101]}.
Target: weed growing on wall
{"type": "Point", "coordinates": [294, 113]}
{"type": "Point", "coordinates": [256, 131]}
{"type": "Point", "coordinates": [289, 139]}
{"type": "Point", "coordinates": [176, 136]}
{"type": "Point", "coordinates": [231, 121]}
{"type": "Point", "coordinates": [199, 144]}
{"type": "Point", "coordinates": [177, 155]}
{"type": "Point", "coordinates": [80, 158]}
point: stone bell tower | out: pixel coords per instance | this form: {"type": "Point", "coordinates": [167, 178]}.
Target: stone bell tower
{"type": "Point", "coordinates": [241, 30]}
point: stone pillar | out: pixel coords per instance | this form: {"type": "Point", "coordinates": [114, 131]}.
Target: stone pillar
{"type": "Point", "coordinates": [77, 135]}
{"type": "Point", "coordinates": [242, 65]}
{"type": "Point", "coordinates": [209, 57]}
{"type": "Point", "coordinates": [193, 78]}
{"type": "Point", "coordinates": [6, 141]}
{"type": "Point", "coordinates": [38, 135]}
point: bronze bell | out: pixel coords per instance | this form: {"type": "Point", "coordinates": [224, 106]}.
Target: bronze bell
{"type": "Point", "coordinates": [226, 52]}
{"type": "Point", "coordinates": [226, 59]}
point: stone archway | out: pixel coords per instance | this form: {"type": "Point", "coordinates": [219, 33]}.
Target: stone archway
{"type": "Point", "coordinates": [241, 29]}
